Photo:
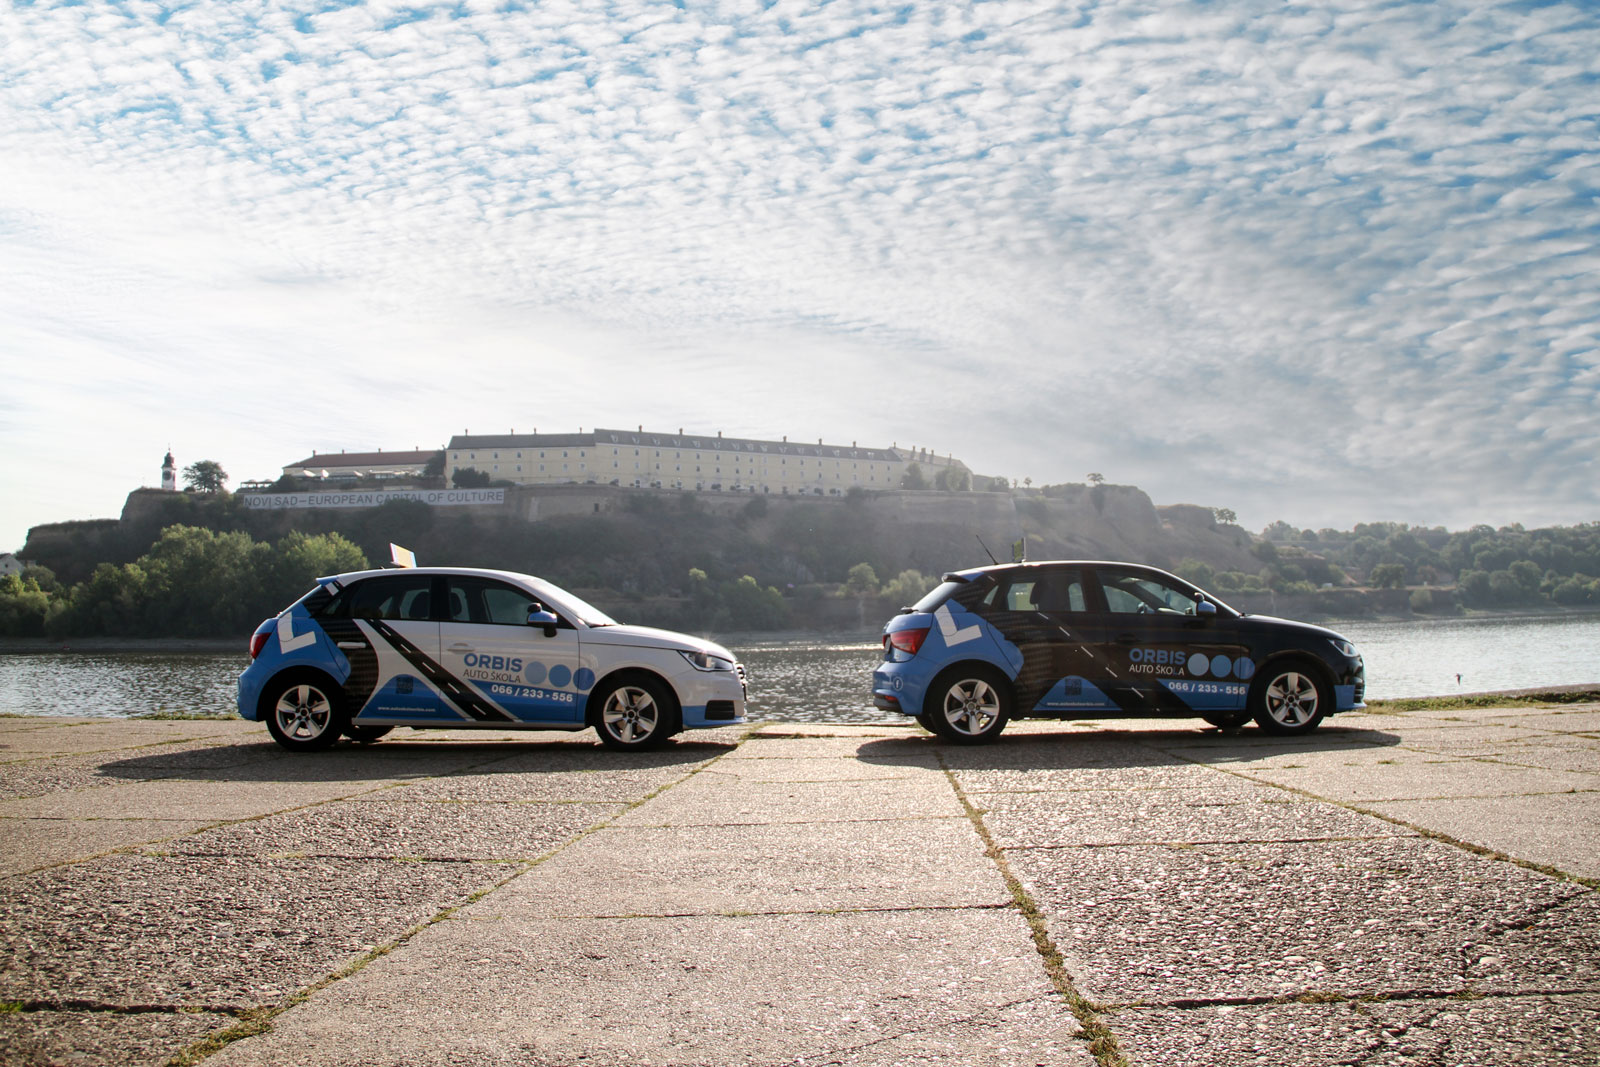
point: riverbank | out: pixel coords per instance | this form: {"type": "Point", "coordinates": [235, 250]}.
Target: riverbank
{"type": "Point", "coordinates": [1391, 888]}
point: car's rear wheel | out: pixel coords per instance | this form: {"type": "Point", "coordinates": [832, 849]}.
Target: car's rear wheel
{"type": "Point", "coordinates": [305, 712]}
{"type": "Point", "coordinates": [969, 704]}
{"type": "Point", "coordinates": [1290, 698]}
{"type": "Point", "coordinates": [365, 735]}
{"type": "Point", "coordinates": [634, 713]}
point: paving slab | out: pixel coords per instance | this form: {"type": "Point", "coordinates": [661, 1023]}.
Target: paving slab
{"type": "Point", "coordinates": [684, 870]}
{"type": "Point", "coordinates": [1374, 917]}
{"type": "Point", "coordinates": [706, 800]}
{"type": "Point", "coordinates": [898, 746]}
{"type": "Point", "coordinates": [111, 735]}
{"type": "Point", "coordinates": [826, 769]}
{"type": "Point", "coordinates": [1563, 1031]}
{"type": "Point", "coordinates": [209, 932]}
{"type": "Point", "coordinates": [1110, 817]}
{"type": "Point", "coordinates": [386, 830]}
{"type": "Point", "coordinates": [1173, 775]}
{"type": "Point", "coordinates": [53, 1038]}
{"type": "Point", "coordinates": [39, 776]}
{"type": "Point", "coordinates": [1070, 751]}
{"type": "Point", "coordinates": [1298, 757]}
{"type": "Point", "coordinates": [176, 798]}
{"type": "Point", "coordinates": [1585, 720]}
{"type": "Point", "coordinates": [29, 844]}
{"type": "Point", "coordinates": [1568, 753]}
{"type": "Point", "coordinates": [687, 991]}
{"type": "Point", "coordinates": [1421, 779]}
{"type": "Point", "coordinates": [1538, 829]}
{"type": "Point", "coordinates": [1555, 949]}
{"type": "Point", "coordinates": [1470, 737]}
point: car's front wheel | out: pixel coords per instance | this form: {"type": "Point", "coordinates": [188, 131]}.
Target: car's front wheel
{"type": "Point", "coordinates": [304, 712]}
{"type": "Point", "coordinates": [968, 705]}
{"type": "Point", "coordinates": [1290, 698]}
{"type": "Point", "coordinates": [634, 713]}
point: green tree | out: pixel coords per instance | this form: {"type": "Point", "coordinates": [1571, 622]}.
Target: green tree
{"type": "Point", "coordinates": [1096, 478]}
{"type": "Point", "coordinates": [434, 468]}
{"type": "Point", "coordinates": [205, 476]}
{"type": "Point", "coordinates": [1199, 573]}
{"type": "Point", "coordinates": [1225, 516]}
{"type": "Point", "coordinates": [912, 478]}
{"type": "Point", "coordinates": [1387, 576]}
{"type": "Point", "coordinates": [862, 580]}
{"type": "Point", "coordinates": [24, 606]}
{"type": "Point", "coordinates": [748, 606]}
{"type": "Point", "coordinates": [469, 478]}
{"type": "Point", "coordinates": [907, 587]}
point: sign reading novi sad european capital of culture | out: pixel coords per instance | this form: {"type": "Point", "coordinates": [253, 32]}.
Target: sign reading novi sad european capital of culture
{"type": "Point", "coordinates": [435, 497]}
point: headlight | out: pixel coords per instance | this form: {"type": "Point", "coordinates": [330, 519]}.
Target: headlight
{"type": "Point", "coordinates": [705, 661]}
{"type": "Point", "coordinates": [1345, 648]}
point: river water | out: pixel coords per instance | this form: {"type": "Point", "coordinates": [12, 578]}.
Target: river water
{"type": "Point", "coordinates": [814, 678]}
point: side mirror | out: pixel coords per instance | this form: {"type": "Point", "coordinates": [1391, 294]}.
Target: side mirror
{"type": "Point", "coordinates": [1205, 607]}
{"type": "Point", "coordinates": [539, 615]}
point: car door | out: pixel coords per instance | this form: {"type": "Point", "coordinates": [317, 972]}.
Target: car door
{"type": "Point", "coordinates": [507, 668]}
{"type": "Point", "coordinates": [384, 628]}
{"type": "Point", "coordinates": [1042, 610]}
{"type": "Point", "coordinates": [1160, 654]}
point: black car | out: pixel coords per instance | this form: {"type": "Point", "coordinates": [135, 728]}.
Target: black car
{"type": "Point", "coordinates": [1072, 638]}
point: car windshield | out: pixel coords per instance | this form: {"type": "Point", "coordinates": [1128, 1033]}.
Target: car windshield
{"type": "Point", "coordinates": [585, 612]}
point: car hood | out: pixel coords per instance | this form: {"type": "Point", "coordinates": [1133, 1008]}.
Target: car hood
{"type": "Point", "coordinates": [650, 637]}
{"type": "Point", "coordinates": [1277, 625]}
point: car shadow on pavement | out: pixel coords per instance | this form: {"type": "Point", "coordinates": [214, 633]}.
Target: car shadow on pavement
{"type": "Point", "coordinates": [258, 761]}
{"type": "Point", "coordinates": [1104, 748]}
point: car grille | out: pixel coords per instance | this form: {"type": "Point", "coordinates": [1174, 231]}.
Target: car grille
{"type": "Point", "coordinates": [722, 710]}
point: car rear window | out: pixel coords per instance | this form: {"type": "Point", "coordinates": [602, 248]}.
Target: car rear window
{"type": "Point", "coordinates": [937, 596]}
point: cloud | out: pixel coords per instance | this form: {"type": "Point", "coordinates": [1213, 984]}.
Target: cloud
{"type": "Point", "coordinates": [1325, 264]}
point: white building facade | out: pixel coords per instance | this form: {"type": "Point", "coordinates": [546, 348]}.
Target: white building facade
{"type": "Point", "coordinates": [696, 462]}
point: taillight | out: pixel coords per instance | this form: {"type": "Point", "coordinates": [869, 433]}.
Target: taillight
{"type": "Point", "coordinates": [907, 641]}
{"type": "Point", "coordinates": [258, 641]}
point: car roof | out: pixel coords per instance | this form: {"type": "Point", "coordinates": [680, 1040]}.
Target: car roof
{"type": "Point", "coordinates": [974, 572]}
{"type": "Point", "coordinates": [352, 576]}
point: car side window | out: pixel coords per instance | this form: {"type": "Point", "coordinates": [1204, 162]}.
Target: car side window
{"type": "Point", "coordinates": [1138, 594]}
{"type": "Point", "coordinates": [398, 597]}
{"type": "Point", "coordinates": [484, 600]}
{"type": "Point", "coordinates": [1057, 590]}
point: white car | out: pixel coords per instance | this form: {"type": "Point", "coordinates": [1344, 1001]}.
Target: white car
{"type": "Point", "coordinates": [436, 647]}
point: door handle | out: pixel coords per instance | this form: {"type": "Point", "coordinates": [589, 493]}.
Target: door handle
{"type": "Point", "coordinates": [460, 648]}
{"type": "Point", "coordinates": [352, 644]}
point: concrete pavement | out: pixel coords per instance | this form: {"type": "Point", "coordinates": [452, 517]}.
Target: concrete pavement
{"type": "Point", "coordinates": [1393, 889]}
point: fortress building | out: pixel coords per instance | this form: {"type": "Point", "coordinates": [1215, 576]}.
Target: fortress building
{"type": "Point", "coordinates": [379, 464]}
{"type": "Point", "coordinates": [704, 462]}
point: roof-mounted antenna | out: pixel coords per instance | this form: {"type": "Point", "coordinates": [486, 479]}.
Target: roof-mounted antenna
{"type": "Point", "coordinates": [986, 550]}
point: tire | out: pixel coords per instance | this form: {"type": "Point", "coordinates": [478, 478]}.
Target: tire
{"type": "Point", "coordinates": [304, 712]}
{"type": "Point", "coordinates": [1228, 722]}
{"type": "Point", "coordinates": [366, 735]}
{"type": "Point", "coordinates": [925, 722]}
{"type": "Point", "coordinates": [1290, 698]}
{"type": "Point", "coordinates": [968, 705]}
{"type": "Point", "coordinates": [634, 713]}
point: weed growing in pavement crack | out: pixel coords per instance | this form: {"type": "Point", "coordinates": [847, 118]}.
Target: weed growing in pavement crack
{"type": "Point", "coordinates": [1103, 1044]}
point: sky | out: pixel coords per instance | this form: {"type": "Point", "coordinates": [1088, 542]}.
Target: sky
{"type": "Point", "coordinates": [1327, 264]}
